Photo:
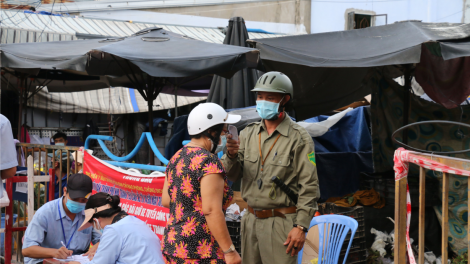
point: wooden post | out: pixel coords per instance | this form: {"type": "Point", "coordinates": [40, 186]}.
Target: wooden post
{"type": "Point", "coordinates": [46, 171]}
{"type": "Point", "coordinates": [75, 170]}
{"type": "Point", "coordinates": [422, 213]}
{"type": "Point", "coordinates": [68, 165]}
{"type": "Point", "coordinates": [445, 216]}
{"type": "Point", "coordinates": [30, 189]}
{"type": "Point", "coordinates": [400, 221]}
{"type": "Point", "coordinates": [39, 184]}
{"type": "Point", "coordinates": [9, 221]}
{"type": "Point", "coordinates": [51, 184]}
{"type": "Point", "coordinates": [59, 177]}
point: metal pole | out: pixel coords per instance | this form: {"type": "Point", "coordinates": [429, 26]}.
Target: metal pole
{"type": "Point", "coordinates": [176, 101]}
{"type": "Point", "coordinates": [20, 111]}
{"type": "Point", "coordinates": [150, 107]}
{"type": "Point", "coordinates": [25, 108]}
{"type": "Point", "coordinates": [406, 101]}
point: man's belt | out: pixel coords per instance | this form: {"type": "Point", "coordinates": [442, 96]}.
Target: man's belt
{"type": "Point", "coordinates": [279, 212]}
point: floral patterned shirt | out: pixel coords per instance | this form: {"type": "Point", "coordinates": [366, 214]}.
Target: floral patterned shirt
{"type": "Point", "coordinates": [187, 235]}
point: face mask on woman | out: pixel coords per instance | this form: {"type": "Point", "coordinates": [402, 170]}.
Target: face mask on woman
{"type": "Point", "coordinates": [221, 147]}
{"type": "Point", "coordinates": [268, 110]}
{"type": "Point", "coordinates": [97, 226]}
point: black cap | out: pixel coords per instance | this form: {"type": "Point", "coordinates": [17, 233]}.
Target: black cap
{"type": "Point", "coordinates": [79, 186]}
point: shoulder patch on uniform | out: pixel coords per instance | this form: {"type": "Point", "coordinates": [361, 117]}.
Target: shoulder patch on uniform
{"type": "Point", "coordinates": [311, 158]}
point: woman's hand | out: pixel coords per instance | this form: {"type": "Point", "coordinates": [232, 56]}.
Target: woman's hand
{"type": "Point", "coordinates": [233, 258]}
{"type": "Point", "coordinates": [91, 253]}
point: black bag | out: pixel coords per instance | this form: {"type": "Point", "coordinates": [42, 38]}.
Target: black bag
{"type": "Point", "coordinates": [90, 129]}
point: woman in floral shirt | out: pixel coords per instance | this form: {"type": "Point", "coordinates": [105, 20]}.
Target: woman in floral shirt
{"type": "Point", "coordinates": [197, 193]}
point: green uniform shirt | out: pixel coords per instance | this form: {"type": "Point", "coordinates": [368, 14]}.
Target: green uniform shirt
{"type": "Point", "coordinates": [292, 159]}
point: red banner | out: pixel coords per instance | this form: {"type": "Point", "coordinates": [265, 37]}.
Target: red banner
{"type": "Point", "coordinates": [140, 196]}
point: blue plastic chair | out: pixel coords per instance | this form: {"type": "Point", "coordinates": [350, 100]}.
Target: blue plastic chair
{"type": "Point", "coordinates": [332, 230]}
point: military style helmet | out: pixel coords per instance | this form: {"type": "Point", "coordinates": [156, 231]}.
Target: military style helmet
{"type": "Point", "coordinates": [274, 82]}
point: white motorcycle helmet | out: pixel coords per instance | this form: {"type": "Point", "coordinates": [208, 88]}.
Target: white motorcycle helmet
{"type": "Point", "coordinates": [207, 115]}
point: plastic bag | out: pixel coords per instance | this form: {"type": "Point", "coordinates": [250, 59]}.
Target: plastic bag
{"type": "Point", "coordinates": [320, 128]}
{"type": "Point", "coordinates": [381, 240]}
{"type": "Point", "coordinates": [4, 201]}
{"type": "Point", "coordinates": [233, 213]}
{"type": "Point", "coordinates": [429, 257]}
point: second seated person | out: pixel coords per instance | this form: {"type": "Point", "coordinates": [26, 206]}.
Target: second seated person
{"type": "Point", "coordinates": [197, 193]}
{"type": "Point", "coordinates": [125, 239]}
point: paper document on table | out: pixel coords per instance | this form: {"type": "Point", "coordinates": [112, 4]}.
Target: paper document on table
{"type": "Point", "coordinates": [79, 258]}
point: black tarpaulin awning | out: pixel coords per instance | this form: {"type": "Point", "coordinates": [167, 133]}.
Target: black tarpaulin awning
{"type": "Point", "coordinates": [161, 53]}
{"type": "Point", "coordinates": [235, 92]}
{"type": "Point", "coordinates": [328, 69]}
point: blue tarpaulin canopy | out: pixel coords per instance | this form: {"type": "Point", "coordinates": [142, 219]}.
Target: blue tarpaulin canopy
{"type": "Point", "coordinates": [350, 134]}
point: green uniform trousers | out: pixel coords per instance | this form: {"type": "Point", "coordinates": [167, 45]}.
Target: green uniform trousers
{"type": "Point", "coordinates": [263, 239]}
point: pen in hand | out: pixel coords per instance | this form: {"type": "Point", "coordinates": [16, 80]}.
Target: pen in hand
{"type": "Point", "coordinates": [69, 251]}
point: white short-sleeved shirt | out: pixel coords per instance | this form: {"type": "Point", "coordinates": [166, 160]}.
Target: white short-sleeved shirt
{"type": "Point", "coordinates": [7, 147]}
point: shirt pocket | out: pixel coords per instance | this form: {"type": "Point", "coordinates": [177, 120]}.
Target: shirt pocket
{"type": "Point", "coordinates": [280, 166]}
{"type": "Point", "coordinates": [83, 238]}
{"type": "Point", "coordinates": [251, 165]}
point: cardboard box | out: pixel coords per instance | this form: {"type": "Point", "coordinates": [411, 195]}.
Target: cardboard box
{"type": "Point", "coordinates": [311, 246]}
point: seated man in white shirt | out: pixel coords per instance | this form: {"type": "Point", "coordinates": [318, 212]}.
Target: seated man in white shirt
{"type": "Point", "coordinates": [8, 159]}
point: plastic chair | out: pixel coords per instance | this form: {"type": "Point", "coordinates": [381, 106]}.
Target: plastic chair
{"type": "Point", "coordinates": [332, 231]}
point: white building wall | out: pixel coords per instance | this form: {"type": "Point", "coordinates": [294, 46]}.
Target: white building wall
{"type": "Point", "coordinates": [331, 15]}
{"type": "Point", "coordinates": [189, 20]}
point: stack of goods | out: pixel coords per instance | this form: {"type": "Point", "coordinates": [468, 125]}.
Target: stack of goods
{"type": "Point", "coordinates": [357, 252]}
{"type": "Point", "coordinates": [234, 231]}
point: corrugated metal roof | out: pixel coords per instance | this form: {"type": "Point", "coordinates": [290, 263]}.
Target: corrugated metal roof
{"type": "Point", "coordinates": [108, 5]}
{"type": "Point", "coordinates": [116, 100]}
{"type": "Point", "coordinates": [68, 27]}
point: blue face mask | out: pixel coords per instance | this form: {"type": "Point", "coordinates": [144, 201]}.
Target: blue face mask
{"type": "Point", "coordinates": [267, 110]}
{"type": "Point", "coordinates": [221, 146]}
{"type": "Point", "coordinates": [75, 207]}
{"type": "Point", "coordinates": [59, 144]}
{"type": "Point", "coordinates": [97, 224]}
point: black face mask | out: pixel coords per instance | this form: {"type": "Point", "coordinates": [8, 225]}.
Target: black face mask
{"type": "Point", "coordinates": [215, 140]}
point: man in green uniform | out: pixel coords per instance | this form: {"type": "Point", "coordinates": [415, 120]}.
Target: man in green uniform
{"type": "Point", "coordinates": [274, 230]}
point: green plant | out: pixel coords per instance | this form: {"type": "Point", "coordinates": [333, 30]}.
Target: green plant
{"type": "Point", "coordinates": [462, 259]}
{"type": "Point", "coordinates": [349, 198]}
{"type": "Point", "coordinates": [39, 193]}
{"type": "Point", "coordinates": [374, 257]}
